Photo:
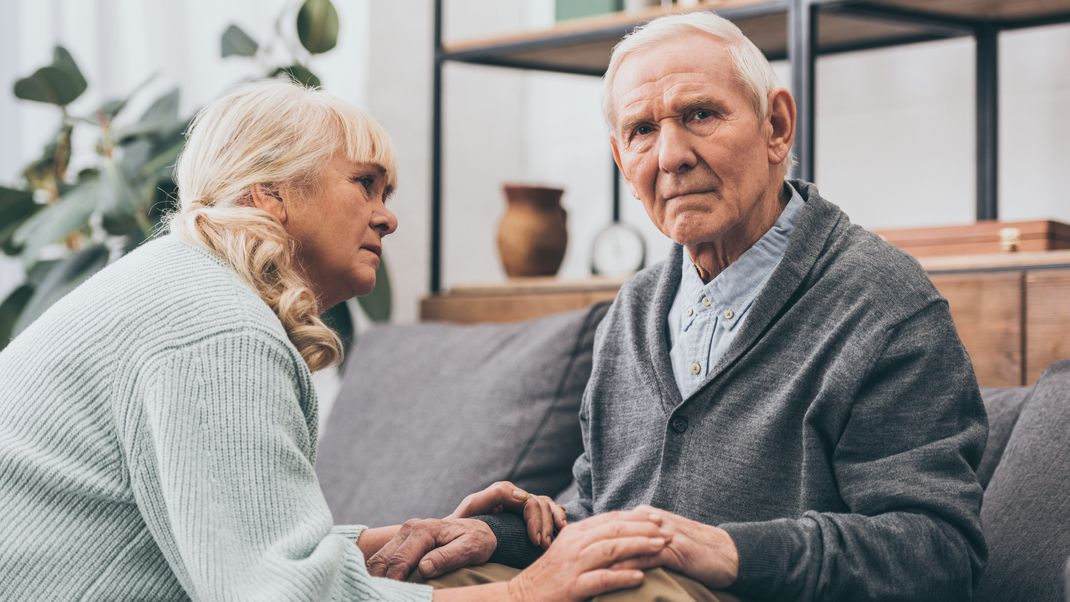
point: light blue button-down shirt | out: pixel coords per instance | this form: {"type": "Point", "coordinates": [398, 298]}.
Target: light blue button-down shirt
{"type": "Point", "coordinates": [705, 317]}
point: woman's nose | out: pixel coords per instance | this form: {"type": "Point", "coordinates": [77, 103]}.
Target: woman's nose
{"type": "Point", "coordinates": [385, 221]}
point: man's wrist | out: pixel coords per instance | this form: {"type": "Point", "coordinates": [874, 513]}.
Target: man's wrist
{"type": "Point", "coordinates": [730, 554]}
{"type": "Point", "coordinates": [512, 546]}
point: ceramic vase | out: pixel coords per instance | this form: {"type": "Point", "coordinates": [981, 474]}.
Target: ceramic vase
{"type": "Point", "coordinates": [532, 235]}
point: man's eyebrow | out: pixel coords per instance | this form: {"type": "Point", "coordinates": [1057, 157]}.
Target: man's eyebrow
{"type": "Point", "coordinates": [630, 122]}
{"type": "Point", "coordinates": [702, 102]}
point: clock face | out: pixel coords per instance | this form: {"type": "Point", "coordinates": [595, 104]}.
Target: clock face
{"type": "Point", "coordinates": [618, 250]}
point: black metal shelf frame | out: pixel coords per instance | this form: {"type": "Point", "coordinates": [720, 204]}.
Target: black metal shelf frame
{"type": "Point", "coordinates": [802, 52]}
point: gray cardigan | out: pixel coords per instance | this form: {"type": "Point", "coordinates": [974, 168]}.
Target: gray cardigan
{"type": "Point", "coordinates": [836, 440]}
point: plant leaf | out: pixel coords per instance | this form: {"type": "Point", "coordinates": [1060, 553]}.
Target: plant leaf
{"type": "Point", "coordinates": [235, 42]}
{"type": "Point", "coordinates": [160, 119]}
{"type": "Point", "coordinates": [116, 200]}
{"type": "Point", "coordinates": [10, 310]}
{"type": "Point", "coordinates": [299, 74]}
{"type": "Point", "coordinates": [379, 303]}
{"type": "Point", "coordinates": [341, 322]}
{"type": "Point", "coordinates": [64, 277]}
{"type": "Point", "coordinates": [42, 172]}
{"type": "Point", "coordinates": [51, 85]}
{"type": "Point", "coordinates": [58, 84]}
{"type": "Point", "coordinates": [51, 224]}
{"type": "Point", "coordinates": [63, 59]}
{"type": "Point", "coordinates": [317, 26]}
{"type": "Point", "coordinates": [16, 206]}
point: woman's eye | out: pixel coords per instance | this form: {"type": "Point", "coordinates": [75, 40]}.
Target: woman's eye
{"type": "Point", "coordinates": [366, 181]}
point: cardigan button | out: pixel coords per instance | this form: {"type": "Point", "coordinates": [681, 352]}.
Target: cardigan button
{"type": "Point", "coordinates": [679, 424]}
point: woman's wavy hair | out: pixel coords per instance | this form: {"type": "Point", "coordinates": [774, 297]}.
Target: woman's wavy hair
{"type": "Point", "coordinates": [279, 135]}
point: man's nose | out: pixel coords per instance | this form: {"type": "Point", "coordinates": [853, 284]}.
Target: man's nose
{"type": "Point", "coordinates": [675, 152]}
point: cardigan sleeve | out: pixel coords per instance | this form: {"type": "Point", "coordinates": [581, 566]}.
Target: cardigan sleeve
{"type": "Point", "coordinates": [222, 474]}
{"type": "Point", "coordinates": [905, 464]}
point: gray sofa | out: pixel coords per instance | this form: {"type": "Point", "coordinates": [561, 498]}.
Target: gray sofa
{"type": "Point", "coordinates": [428, 413]}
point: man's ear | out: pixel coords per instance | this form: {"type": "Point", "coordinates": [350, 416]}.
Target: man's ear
{"type": "Point", "coordinates": [267, 198]}
{"type": "Point", "coordinates": [782, 119]}
{"type": "Point", "coordinates": [616, 159]}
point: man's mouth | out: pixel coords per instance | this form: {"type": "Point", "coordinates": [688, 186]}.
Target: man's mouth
{"type": "Point", "coordinates": [677, 195]}
{"type": "Point", "coordinates": [374, 249]}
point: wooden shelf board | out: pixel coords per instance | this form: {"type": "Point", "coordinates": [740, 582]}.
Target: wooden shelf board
{"type": "Point", "coordinates": [525, 286]}
{"type": "Point", "coordinates": [584, 45]}
{"type": "Point", "coordinates": [985, 10]}
{"type": "Point", "coordinates": [999, 261]}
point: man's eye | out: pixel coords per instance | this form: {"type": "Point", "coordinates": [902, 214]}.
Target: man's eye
{"type": "Point", "coordinates": [642, 130]}
{"type": "Point", "coordinates": [702, 115]}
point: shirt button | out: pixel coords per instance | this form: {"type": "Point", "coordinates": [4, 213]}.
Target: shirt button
{"type": "Point", "coordinates": [690, 311]}
{"type": "Point", "coordinates": [706, 301]}
{"type": "Point", "coordinates": [729, 314]}
{"type": "Point", "coordinates": [695, 368]}
{"type": "Point", "coordinates": [679, 424]}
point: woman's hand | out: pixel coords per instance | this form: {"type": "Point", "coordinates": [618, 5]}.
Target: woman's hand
{"type": "Point", "coordinates": [540, 513]}
{"type": "Point", "coordinates": [581, 562]}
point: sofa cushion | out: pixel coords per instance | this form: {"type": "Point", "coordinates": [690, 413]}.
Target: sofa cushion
{"type": "Point", "coordinates": [1027, 502]}
{"type": "Point", "coordinates": [428, 413]}
{"type": "Point", "coordinates": [1003, 406]}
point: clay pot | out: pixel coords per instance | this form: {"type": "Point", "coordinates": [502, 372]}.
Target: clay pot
{"type": "Point", "coordinates": [532, 235]}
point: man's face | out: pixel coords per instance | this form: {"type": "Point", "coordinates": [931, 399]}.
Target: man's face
{"type": "Point", "coordinates": [688, 141]}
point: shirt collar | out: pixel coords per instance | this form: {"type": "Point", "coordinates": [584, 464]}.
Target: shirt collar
{"type": "Point", "coordinates": [732, 291]}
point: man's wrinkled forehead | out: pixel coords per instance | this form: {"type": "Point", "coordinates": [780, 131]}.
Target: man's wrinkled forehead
{"type": "Point", "coordinates": [693, 65]}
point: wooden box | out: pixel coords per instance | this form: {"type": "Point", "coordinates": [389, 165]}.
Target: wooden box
{"type": "Point", "coordinates": [980, 238]}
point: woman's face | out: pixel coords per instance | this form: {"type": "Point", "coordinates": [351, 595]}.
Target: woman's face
{"type": "Point", "coordinates": [339, 227]}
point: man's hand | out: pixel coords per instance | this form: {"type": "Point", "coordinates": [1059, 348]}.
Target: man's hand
{"type": "Point", "coordinates": [541, 514]}
{"type": "Point", "coordinates": [703, 552]}
{"type": "Point", "coordinates": [435, 546]}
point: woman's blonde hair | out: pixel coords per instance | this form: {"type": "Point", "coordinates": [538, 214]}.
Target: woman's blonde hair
{"type": "Point", "coordinates": [279, 135]}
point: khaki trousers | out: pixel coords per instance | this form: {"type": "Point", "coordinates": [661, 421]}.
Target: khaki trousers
{"type": "Point", "coordinates": [659, 585]}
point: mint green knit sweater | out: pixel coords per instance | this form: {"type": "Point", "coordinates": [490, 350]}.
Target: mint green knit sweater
{"type": "Point", "coordinates": [157, 440]}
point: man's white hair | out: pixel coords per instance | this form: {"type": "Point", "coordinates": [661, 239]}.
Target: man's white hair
{"type": "Point", "coordinates": [751, 66]}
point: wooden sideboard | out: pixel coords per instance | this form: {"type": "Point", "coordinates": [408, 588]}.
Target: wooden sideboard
{"type": "Point", "coordinates": [1012, 310]}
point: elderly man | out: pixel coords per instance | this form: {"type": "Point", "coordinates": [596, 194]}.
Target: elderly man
{"type": "Point", "coordinates": [786, 391]}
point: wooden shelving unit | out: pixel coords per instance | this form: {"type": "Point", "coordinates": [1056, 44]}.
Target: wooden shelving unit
{"type": "Point", "coordinates": [1010, 309]}
{"type": "Point", "coordinates": [796, 30]}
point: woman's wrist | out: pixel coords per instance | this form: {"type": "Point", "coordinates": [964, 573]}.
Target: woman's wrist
{"type": "Point", "coordinates": [371, 540]}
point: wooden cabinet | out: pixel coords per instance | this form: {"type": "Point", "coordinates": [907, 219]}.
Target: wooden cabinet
{"type": "Point", "coordinates": [987, 310]}
{"type": "Point", "coordinates": [1011, 310]}
{"type": "Point", "coordinates": [1047, 319]}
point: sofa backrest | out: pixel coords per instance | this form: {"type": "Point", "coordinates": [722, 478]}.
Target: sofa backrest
{"type": "Point", "coordinates": [1026, 508]}
{"type": "Point", "coordinates": [1003, 406]}
{"type": "Point", "coordinates": [429, 413]}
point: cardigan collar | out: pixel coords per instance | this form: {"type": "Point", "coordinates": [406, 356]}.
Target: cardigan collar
{"type": "Point", "coordinates": [816, 222]}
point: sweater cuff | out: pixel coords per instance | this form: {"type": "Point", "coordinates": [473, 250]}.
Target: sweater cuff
{"type": "Point", "coordinates": [514, 546]}
{"type": "Point", "coordinates": [767, 551]}
{"type": "Point", "coordinates": [351, 532]}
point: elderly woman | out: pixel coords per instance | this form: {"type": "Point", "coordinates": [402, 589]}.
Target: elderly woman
{"type": "Point", "coordinates": [158, 424]}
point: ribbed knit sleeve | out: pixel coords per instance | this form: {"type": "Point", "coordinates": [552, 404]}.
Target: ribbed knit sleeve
{"type": "Point", "coordinates": [221, 470]}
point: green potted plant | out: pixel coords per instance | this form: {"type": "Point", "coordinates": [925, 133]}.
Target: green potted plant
{"type": "Point", "coordinates": [64, 227]}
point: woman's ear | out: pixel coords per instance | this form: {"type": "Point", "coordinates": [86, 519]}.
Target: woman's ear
{"type": "Point", "coordinates": [267, 198]}
{"type": "Point", "coordinates": [782, 119]}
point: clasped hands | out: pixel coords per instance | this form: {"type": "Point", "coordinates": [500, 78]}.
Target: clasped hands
{"type": "Point", "coordinates": [438, 546]}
